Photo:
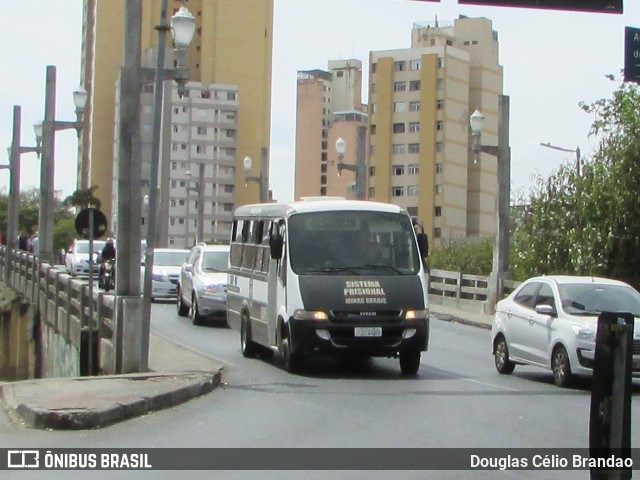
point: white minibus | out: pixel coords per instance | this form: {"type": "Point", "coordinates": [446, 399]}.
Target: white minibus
{"type": "Point", "coordinates": [328, 277]}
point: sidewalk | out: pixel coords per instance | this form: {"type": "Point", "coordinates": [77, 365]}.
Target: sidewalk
{"type": "Point", "coordinates": [178, 375]}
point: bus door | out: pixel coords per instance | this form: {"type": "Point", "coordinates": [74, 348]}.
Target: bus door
{"type": "Point", "coordinates": [276, 282]}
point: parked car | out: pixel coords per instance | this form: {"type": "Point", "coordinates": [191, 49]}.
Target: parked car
{"type": "Point", "coordinates": [76, 260]}
{"type": "Point", "coordinates": [202, 286]}
{"type": "Point", "coordinates": [167, 263]}
{"type": "Point", "coordinates": [552, 321]}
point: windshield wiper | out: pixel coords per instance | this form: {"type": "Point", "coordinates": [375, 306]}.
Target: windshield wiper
{"type": "Point", "coordinates": [331, 269]}
{"type": "Point", "coordinates": [373, 266]}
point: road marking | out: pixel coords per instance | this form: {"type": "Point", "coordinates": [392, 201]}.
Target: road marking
{"type": "Point", "coordinates": [491, 385]}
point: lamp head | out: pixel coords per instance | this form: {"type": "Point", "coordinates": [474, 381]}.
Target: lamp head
{"type": "Point", "coordinates": [247, 163]}
{"type": "Point", "coordinates": [187, 174]}
{"type": "Point", "coordinates": [37, 129]}
{"type": "Point", "coordinates": [80, 98]}
{"type": "Point", "coordinates": [341, 146]}
{"type": "Point", "coordinates": [476, 120]}
{"type": "Point", "coordinates": [183, 26]}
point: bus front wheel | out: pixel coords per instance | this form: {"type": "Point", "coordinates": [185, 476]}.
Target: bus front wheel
{"type": "Point", "coordinates": [292, 361]}
{"type": "Point", "coordinates": [409, 362]}
{"type": "Point", "coordinates": [249, 347]}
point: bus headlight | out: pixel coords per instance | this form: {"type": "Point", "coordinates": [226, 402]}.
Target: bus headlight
{"type": "Point", "coordinates": [416, 314]}
{"type": "Point", "coordinates": [310, 315]}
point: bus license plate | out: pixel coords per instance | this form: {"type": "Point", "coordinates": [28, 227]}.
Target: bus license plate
{"type": "Point", "coordinates": [367, 331]}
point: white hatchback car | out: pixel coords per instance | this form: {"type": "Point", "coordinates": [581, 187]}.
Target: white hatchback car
{"type": "Point", "coordinates": [76, 260]}
{"type": "Point", "coordinates": [552, 321]}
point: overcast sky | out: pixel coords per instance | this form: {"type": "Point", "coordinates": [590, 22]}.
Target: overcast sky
{"type": "Point", "coordinates": [552, 60]}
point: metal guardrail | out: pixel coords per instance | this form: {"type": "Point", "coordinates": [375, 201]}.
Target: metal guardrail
{"type": "Point", "coordinates": [64, 317]}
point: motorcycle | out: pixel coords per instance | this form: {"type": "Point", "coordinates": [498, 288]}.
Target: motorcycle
{"type": "Point", "coordinates": [107, 278]}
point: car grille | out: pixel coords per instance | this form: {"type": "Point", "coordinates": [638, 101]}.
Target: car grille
{"type": "Point", "coordinates": [385, 317]}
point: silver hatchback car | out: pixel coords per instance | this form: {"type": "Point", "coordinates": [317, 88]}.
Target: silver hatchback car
{"type": "Point", "coordinates": [551, 322]}
{"type": "Point", "coordinates": [202, 285]}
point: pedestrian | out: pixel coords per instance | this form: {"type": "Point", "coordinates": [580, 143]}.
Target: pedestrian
{"type": "Point", "coordinates": [35, 243]}
{"type": "Point", "coordinates": [23, 241]}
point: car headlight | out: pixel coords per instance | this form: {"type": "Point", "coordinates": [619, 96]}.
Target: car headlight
{"type": "Point", "coordinates": [416, 314]}
{"type": "Point", "coordinates": [581, 332]}
{"type": "Point", "coordinates": [214, 289]}
{"type": "Point", "coordinates": [159, 277]}
{"type": "Point", "coordinates": [310, 315]}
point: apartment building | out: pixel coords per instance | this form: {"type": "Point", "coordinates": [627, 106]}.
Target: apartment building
{"type": "Point", "coordinates": [420, 99]}
{"type": "Point", "coordinates": [329, 106]}
{"type": "Point", "coordinates": [232, 46]}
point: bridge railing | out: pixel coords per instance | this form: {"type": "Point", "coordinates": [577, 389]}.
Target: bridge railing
{"type": "Point", "coordinates": [71, 325]}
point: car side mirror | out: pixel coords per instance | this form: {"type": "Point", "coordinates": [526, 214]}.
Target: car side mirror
{"type": "Point", "coordinates": [423, 244]}
{"type": "Point", "coordinates": [546, 310]}
{"type": "Point", "coordinates": [276, 243]}
{"type": "Point", "coordinates": [188, 268]}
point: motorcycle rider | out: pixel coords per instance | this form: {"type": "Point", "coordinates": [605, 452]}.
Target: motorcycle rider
{"type": "Point", "coordinates": [108, 254]}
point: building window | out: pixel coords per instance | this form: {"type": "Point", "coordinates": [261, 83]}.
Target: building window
{"type": "Point", "coordinates": [399, 66]}
{"type": "Point", "coordinates": [439, 189]}
{"type": "Point", "coordinates": [172, 221]}
{"type": "Point", "coordinates": [148, 88]}
{"type": "Point", "coordinates": [374, 107]}
{"type": "Point", "coordinates": [412, 191]}
{"type": "Point", "coordinates": [399, 86]}
{"type": "Point", "coordinates": [231, 133]}
{"type": "Point", "coordinates": [414, 169]}
{"type": "Point", "coordinates": [437, 232]}
{"type": "Point", "coordinates": [174, 165]}
{"type": "Point", "coordinates": [374, 88]}
{"type": "Point", "coordinates": [414, 106]}
{"type": "Point", "coordinates": [372, 129]}
{"type": "Point", "coordinates": [397, 170]}
{"type": "Point", "coordinates": [440, 104]}
{"type": "Point", "coordinates": [439, 125]}
{"type": "Point", "coordinates": [439, 147]}
{"type": "Point", "coordinates": [174, 147]}
{"type": "Point", "coordinates": [414, 85]}
{"type": "Point", "coordinates": [372, 192]}
{"type": "Point", "coordinates": [183, 146]}
{"type": "Point", "coordinates": [372, 150]}
{"type": "Point", "coordinates": [372, 171]}
{"type": "Point", "coordinates": [397, 191]}
{"type": "Point", "coordinates": [202, 130]}
{"type": "Point", "coordinates": [415, 64]}
{"type": "Point", "coordinates": [438, 168]}
{"type": "Point", "coordinates": [339, 73]}
{"type": "Point", "coordinates": [414, 148]}
{"type": "Point", "coordinates": [441, 62]}
{"type": "Point", "coordinates": [201, 149]}
{"type": "Point", "coordinates": [438, 211]}
{"type": "Point", "coordinates": [175, 129]}
{"type": "Point", "coordinates": [414, 126]}
{"type": "Point", "coordinates": [398, 128]}
{"type": "Point", "coordinates": [173, 184]}
{"type": "Point", "coordinates": [398, 148]}
{"type": "Point", "coordinates": [399, 107]}
{"type": "Point", "coordinates": [374, 67]}
{"type": "Point", "coordinates": [440, 84]}
{"type": "Point", "coordinates": [228, 189]}
{"type": "Point", "coordinates": [231, 96]}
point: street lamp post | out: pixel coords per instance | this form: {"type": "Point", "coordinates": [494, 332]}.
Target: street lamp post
{"type": "Point", "coordinates": [183, 27]}
{"type": "Point", "coordinates": [576, 151]}
{"type": "Point", "coordinates": [359, 167]}
{"type": "Point", "coordinates": [261, 179]}
{"type": "Point", "coordinates": [47, 169]}
{"type": "Point", "coordinates": [199, 189]}
{"type": "Point", "coordinates": [502, 152]}
{"type": "Point", "coordinates": [15, 151]}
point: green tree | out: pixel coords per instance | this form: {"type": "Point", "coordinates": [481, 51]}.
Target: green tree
{"type": "Point", "coordinates": [588, 224]}
{"type": "Point", "coordinates": [83, 198]}
{"type": "Point", "coordinates": [468, 256]}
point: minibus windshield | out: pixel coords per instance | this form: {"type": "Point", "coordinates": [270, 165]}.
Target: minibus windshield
{"type": "Point", "coordinates": [352, 243]}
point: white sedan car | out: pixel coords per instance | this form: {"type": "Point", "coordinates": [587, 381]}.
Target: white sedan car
{"type": "Point", "coordinates": [76, 259]}
{"type": "Point", "coordinates": [166, 271]}
{"type": "Point", "coordinates": [551, 322]}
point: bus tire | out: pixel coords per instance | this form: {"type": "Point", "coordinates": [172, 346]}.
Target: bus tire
{"type": "Point", "coordinates": [292, 361]}
{"type": "Point", "coordinates": [409, 362]}
{"type": "Point", "coordinates": [248, 347]}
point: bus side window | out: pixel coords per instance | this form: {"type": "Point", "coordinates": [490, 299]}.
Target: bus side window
{"type": "Point", "coordinates": [264, 246]}
{"type": "Point", "coordinates": [236, 244]}
{"type": "Point", "coordinates": [249, 250]}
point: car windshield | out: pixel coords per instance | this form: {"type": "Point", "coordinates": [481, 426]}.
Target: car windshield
{"type": "Point", "coordinates": [83, 247]}
{"type": "Point", "coordinates": [593, 298]}
{"type": "Point", "coordinates": [217, 261]}
{"type": "Point", "coordinates": [352, 243]}
{"type": "Point", "coordinates": [169, 259]}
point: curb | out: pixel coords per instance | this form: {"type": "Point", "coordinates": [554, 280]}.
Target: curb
{"type": "Point", "coordinates": [99, 412]}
